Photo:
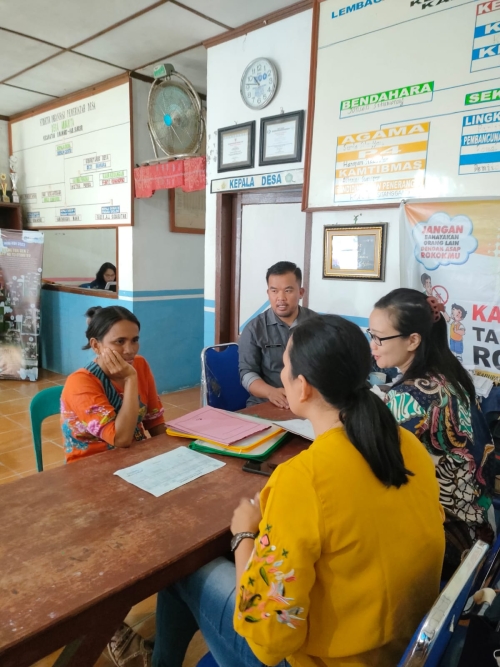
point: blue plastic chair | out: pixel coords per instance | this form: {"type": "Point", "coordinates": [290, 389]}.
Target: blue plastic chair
{"type": "Point", "coordinates": [433, 635]}
{"type": "Point", "coordinates": [220, 378]}
{"type": "Point", "coordinates": [44, 404]}
{"type": "Point", "coordinates": [489, 573]}
{"type": "Point", "coordinates": [207, 661]}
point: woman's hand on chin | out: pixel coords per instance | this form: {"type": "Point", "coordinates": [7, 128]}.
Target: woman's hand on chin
{"type": "Point", "coordinates": [115, 366]}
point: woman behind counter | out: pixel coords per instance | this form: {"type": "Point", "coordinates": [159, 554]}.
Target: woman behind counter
{"type": "Point", "coordinates": [105, 275]}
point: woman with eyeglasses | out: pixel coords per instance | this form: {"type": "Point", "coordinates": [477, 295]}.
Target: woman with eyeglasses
{"type": "Point", "coordinates": [436, 400]}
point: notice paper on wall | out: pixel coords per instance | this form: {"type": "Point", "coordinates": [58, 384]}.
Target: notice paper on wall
{"type": "Point", "coordinates": [169, 471]}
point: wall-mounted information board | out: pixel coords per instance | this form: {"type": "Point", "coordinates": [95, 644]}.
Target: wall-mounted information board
{"type": "Point", "coordinates": [407, 101]}
{"type": "Point", "coordinates": [74, 162]}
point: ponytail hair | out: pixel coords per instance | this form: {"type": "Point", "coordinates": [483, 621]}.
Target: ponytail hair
{"type": "Point", "coordinates": [333, 355]}
{"type": "Point", "coordinates": [411, 312]}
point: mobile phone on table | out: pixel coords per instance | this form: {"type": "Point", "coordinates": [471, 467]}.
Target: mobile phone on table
{"type": "Point", "coordinates": [259, 467]}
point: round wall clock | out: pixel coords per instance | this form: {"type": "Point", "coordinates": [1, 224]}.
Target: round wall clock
{"type": "Point", "coordinates": [259, 83]}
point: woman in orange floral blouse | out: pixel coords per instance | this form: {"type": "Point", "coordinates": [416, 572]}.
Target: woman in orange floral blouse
{"type": "Point", "coordinates": [113, 400]}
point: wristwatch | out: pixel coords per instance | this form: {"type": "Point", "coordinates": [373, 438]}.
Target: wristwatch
{"type": "Point", "coordinates": [235, 542]}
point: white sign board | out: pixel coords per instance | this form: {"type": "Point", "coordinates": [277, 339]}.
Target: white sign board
{"type": "Point", "coordinates": [74, 162]}
{"type": "Point", "coordinates": [271, 180]}
{"type": "Point", "coordinates": [407, 101]}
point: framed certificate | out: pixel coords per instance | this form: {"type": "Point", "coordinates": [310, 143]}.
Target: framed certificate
{"type": "Point", "coordinates": [186, 211]}
{"type": "Point", "coordinates": [281, 138]}
{"type": "Point", "coordinates": [355, 252]}
{"type": "Point", "coordinates": [236, 147]}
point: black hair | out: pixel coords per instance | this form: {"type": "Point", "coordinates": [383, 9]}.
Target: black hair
{"type": "Point", "coordinates": [461, 308]}
{"type": "Point", "coordinates": [280, 268]}
{"type": "Point", "coordinates": [410, 313]}
{"type": "Point", "coordinates": [102, 319]}
{"type": "Point", "coordinates": [424, 278]}
{"type": "Point", "coordinates": [334, 357]}
{"type": "Point", "coordinates": [99, 276]}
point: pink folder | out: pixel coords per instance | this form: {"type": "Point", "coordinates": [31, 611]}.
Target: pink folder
{"type": "Point", "coordinates": [216, 425]}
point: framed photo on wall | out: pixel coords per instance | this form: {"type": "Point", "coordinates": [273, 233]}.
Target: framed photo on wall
{"type": "Point", "coordinates": [281, 138]}
{"type": "Point", "coordinates": [236, 147]}
{"type": "Point", "coordinates": [355, 252]}
{"type": "Point", "coordinates": [186, 211]}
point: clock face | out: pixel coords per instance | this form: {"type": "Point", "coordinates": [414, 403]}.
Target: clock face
{"type": "Point", "coordinates": [259, 83]}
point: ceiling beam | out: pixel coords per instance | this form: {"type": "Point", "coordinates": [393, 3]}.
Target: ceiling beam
{"type": "Point", "coordinates": [70, 49]}
{"type": "Point", "coordinates": [273, 17]}
{"type": "Point", "coordinates": [35, 39]}
{"type": "Point", "coordinates": [72, 97]}
{"type": "Point", "coordinates": [27, 69]}
{"type": "Point", "coordinates": [127, 19]}
{"type": "Point", "coordinates": [29, 90]}
{"type": "Point", "coordinates": [203, 16]}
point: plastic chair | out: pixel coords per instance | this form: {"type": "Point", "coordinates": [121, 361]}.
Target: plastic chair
{"type": "Point", "coordinates": [44, 404]}
{"type": "Point", "coordinates": [489, 572]}
{"type": "Point", "coordinates": [432, 636]}
{"type": "Point", "coordinates": [207, 661]}
{"type": "Point", "coordinates": [220, 378]}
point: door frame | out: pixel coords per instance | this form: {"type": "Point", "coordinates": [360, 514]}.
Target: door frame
{"type": "Point", "coordinates": [229, 211]}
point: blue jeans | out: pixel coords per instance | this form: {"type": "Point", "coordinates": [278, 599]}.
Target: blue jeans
{"type": "Point", "coordinates": [205, 600]}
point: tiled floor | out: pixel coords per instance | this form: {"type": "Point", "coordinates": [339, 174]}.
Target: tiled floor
{"type": "Point", "coordinates": [17, 460]}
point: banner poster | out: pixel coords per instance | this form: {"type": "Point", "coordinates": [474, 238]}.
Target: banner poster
{"type": "Point", "coordinates": [21, 254]}
{"type": "Point", "coordinates": [451, 250]}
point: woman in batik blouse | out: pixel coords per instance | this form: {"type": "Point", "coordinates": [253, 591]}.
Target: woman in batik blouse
{"type": "Point", "coordinates": [113, 400]}
{"type": "Point", "coordinates": [436, 401]}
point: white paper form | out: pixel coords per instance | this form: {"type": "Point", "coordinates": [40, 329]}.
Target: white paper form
{"type": "Point", "coordinates": [168, 471]}
{"type": "Point", "coordinates": [301, 427]}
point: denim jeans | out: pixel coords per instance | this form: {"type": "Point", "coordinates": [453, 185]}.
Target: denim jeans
{"type": "Point", "coordinates": [205, 600]}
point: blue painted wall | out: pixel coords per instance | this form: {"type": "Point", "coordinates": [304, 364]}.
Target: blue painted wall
{"type": "Point", "coordinates": [209, 322]}
{"type": "Point", "coordinates": [172, 340]}
{"type": "Point", "coordinates": [171, 334]}
{"type": "Point", "coordinates": [63, 329]}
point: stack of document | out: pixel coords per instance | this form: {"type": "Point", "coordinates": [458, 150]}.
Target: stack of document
{"type": "Point", "coordinates": [302, 427]}
{"type": "Point", "coordinates": [221, 432]}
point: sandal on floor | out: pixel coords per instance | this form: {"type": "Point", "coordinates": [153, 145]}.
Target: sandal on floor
{"type": "Point", "coordinates": [128, 649]}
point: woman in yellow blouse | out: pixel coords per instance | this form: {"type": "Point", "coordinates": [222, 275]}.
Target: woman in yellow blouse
{"type": "Point", "coordinates": [341, 558]}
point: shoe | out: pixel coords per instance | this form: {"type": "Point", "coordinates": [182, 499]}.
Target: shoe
{"type": "Point", "coordinates": [128, 649]}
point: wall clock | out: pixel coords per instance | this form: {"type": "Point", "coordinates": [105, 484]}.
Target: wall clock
{"type": "Point", "coordinates": [259, 83]}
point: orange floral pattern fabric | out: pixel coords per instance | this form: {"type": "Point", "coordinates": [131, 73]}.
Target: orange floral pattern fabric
{"type": "Point", "coordinates": [88, 418]}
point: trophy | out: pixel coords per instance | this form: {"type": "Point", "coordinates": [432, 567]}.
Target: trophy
{"type": "Point", "coordinates": [3, 186]}
{"type": "Point", "coordinates": [13, 178]}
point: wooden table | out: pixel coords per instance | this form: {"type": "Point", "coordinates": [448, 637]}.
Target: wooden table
{"type": "Point", "coordinates": [79, 546]}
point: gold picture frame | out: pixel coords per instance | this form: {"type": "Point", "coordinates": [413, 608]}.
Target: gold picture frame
{"type": "Point", "coordinates": [186, 211]}
{"type": "Point", "coordinates": [355, 252]}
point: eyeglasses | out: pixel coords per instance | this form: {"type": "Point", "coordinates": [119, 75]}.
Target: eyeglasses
{"type": "Point", "coordinates": [378, 341]}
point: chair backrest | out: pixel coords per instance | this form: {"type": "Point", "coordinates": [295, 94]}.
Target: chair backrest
{"type": "Point", "coordinates": [434, 633]}
{"type": "Point", "coordinates": [207, 661]}
{"type": "Point", "coordinates": [220, 378]}
{"type": "Point", "coordinates": [44, 404]}
{"type": "Point", "coordinates": [489, 573]}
